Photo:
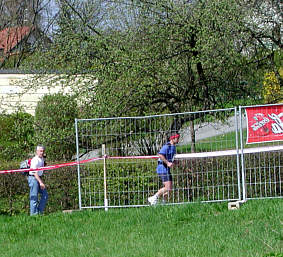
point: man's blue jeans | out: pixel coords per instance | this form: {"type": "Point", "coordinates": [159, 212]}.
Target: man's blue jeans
{"type": "Point", "coordinates": [35, 206]}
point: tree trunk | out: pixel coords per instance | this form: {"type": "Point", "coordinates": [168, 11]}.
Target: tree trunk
{"type": "Point", "coordinates": [193, 136]}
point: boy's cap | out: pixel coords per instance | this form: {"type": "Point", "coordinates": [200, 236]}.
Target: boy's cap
{"type": "Point", "coordinates": [174, 136]}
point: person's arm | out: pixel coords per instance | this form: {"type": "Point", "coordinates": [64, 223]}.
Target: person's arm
{"type": "Point", "coordinates": [162, 157]}
{"type": "Point", "coordinates": [41, 184]}
{"type": "Point", "coordinates": [34, 165]}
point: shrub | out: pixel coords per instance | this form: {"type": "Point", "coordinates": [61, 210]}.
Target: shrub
{"type": "Point", "coordinates": [130, 183]}
{"type": "Point", "coordinates": [61, 186]}
{"type": "Point", "coordinates": [54, 121]}
{"type": "Point", "coordinates": [272, 92]}
{"type": "Point", "coordinates": [17, 134]}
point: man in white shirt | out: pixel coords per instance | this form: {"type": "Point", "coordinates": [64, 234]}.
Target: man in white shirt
{"type": "Point", "coordinates": [36, 184]}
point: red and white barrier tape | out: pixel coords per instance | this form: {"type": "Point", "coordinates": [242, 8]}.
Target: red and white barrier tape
{"type": "Point", "coordinates": [178, 156]}
{"type": "Point", "coordinates": [51, 167]}
{"type": "Point", "coordinates": [56, 166]}
{"type": "Point", "coordinates": [133, 157]}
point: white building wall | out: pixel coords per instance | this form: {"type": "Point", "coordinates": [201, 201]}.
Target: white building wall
{"type": "Point", "coordinates": [14, 93]}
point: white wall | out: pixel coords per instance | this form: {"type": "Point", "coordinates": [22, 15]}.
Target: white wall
{"type": "Point", "coordinates": [14, 92]}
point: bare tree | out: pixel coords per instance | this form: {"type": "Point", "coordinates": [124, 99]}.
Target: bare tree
{"type": "Point", "coordinates": [23, 25]}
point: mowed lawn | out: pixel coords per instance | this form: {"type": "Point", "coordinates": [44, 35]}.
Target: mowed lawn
{"type": "Point", "coordinates": [198, 229]}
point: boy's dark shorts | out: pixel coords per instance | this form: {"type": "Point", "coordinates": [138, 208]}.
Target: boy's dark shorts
{"type": "Point", "coordinates": [165, 177]}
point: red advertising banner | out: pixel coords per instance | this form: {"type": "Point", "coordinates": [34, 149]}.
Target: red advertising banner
{"type": "Point", "coordinates": [264, 123]}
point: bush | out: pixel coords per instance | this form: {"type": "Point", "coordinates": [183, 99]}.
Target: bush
{"type": "Point", "coordinates": [54, 119]}
{"type": "Point", "coordinates": [17, 135]}
{"type": "Point", "coordinates": [271, 87]}
{"type": "Point", "coordinates": [200, 179]}
{"type": "Point", "coordinates": [130, 183]}
{"type": "Point", "coordinates": [61, 186]}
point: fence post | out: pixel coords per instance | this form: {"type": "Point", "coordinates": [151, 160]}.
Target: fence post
{"type": "Point", "coordinates": [238, 153]}
{"type": "Point", "coordinates": [78, 164]}
{"type": "Point", "coordinates": [242, 158]}
{"type": "Point", "coordinates": [104, 177]}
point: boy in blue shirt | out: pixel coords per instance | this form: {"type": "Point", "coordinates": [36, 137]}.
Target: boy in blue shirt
{"type": "Point", "coordinates": [165, 162]}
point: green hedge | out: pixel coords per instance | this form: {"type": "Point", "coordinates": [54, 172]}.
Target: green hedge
{"type": "Point", "coordinates": [131, 182]}
{"type": "Point", "coordinates": [204, 179]}
{"type": "Point", "coordinates": [16, 137]}
{"type": "Point", "coordinates": [61, 185]}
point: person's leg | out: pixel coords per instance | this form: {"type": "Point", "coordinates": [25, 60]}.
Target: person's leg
{"type": "Point", "coordinates": [167, 182]}
{"type": "Point", "coordinates": [43, 200]}
{"type": "Point", "coordinates": [33, 195]}
{"type": "Point", "coordinates": [164, 191]}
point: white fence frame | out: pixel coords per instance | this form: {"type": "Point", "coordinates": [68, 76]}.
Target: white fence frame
{"type": "Point", "coordinates": [104, 130]}
{"type": "Point", "coordinates": [250, 178]}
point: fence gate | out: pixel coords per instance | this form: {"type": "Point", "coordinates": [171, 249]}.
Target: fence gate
{"type": "Point", "coordinates": [207, 162]}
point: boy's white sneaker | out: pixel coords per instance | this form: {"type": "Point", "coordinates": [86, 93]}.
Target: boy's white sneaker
{"type": "Point", "coordinates": [163, 201]}
{"type": "Point", "coordinates": [152, 200]}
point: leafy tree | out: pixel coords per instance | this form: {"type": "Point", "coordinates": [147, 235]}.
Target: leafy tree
{"type": "Point", "coordinates": [156, 56]}
{"type": "Point", "coordinates": [16, 14]}
{"type": "Point", "coordinates": [264, 27]}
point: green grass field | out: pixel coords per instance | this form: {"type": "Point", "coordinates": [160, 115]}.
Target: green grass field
{"type": "Point", "coordinates": [256, 229]}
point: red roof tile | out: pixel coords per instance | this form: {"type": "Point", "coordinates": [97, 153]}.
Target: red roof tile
{"type": "Point", "coordinates": [10, 37]}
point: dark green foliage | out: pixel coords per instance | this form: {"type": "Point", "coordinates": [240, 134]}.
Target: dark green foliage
{"type": "Point", "coordinates": [54, 119]}
{"type": "Point", "coordinates": [61, 186]}
{"type": "Point", "coordinates": [201, 179]}
{"type": "Point", "coordinates": [127, 182]}
{"type": "Point", "coordinates": [16, 135]}
{"type": "Point", "coordinates": [130, 183]}
{"type": "Point", "coordinates": [13, 190]}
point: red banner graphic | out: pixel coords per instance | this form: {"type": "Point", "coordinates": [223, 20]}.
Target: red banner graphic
{"type": "Point", "coordinates": [264, 123]}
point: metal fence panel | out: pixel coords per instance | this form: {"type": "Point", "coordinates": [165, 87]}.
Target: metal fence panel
{"type": "Point", "coordinates": [130, 181]}
{"type": "Point", "coordinates": [262, 171]}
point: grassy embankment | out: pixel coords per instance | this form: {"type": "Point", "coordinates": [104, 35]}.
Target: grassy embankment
{"type": "Point", "coordinates": [256, 229]}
